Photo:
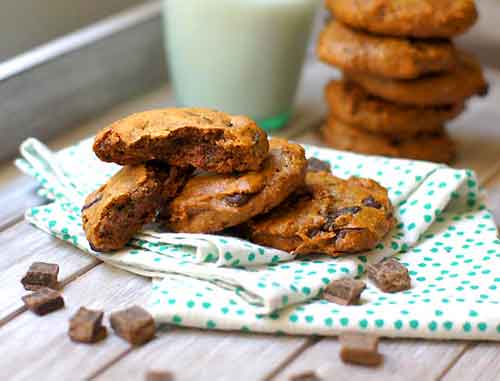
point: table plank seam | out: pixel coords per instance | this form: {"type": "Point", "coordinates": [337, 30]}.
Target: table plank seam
{"type": "Point", "coordinates": [110, 363]}
{"type": "Point", "coordinates": [308, 343]}
{"type": "Point", "coordinates": [455, 360]}
{"type": "Point", "coordinates": [11, 316]}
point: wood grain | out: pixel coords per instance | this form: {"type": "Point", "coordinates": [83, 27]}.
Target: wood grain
{"type": "Point", "coordinates": [206, 355]}
{"type": "Point", "coordinates": [409, 357]}
{"type": "Point", "coordinates": [479, 363]}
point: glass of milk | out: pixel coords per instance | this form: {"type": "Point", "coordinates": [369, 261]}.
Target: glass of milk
{"type": "Point", "coordinates": [238, 56]}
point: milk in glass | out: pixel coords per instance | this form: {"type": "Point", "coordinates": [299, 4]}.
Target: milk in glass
{"type": "Point", "coordinates": [238, 56]}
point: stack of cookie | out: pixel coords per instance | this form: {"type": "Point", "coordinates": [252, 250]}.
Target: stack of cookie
{"type": "Point", "coordinates": [403, 79]}
{"type": "Point", "coordinates": [204, 171]}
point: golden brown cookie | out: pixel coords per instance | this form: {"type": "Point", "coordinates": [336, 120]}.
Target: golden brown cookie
{"type": "Point", "coordinates": [130, 199]}
{"type": "Point", "coordinates": [436, 147]}
{"type": "Point", "coordinates": [412, 18]}
{"type": "Point", "coordinates": [449, 88]}
{"type": "Point", "coordinates": [329, 216]}
{"type": "Point", "coordinates": [351, 104]}
{"type": "Point", "coordinates": [210, 203]}
{"type": "Point", "coordinates": [206, 139]}
{"type": "Point", "coordinates": [391, 57]}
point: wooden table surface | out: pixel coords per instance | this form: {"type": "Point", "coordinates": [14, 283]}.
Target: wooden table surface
{"type": "Point", "coordinates": [38, 348]}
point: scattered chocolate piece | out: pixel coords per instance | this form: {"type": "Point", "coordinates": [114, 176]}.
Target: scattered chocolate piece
{"type": "Point", "coordinates": [316, 165]}
{"type": "Point", "coordinates": [86, 326]}
{"type": "Point", "coordinates": [134, 324]}
{"type": "Point", "coordinates": [361, 349]}
{"type": "Point", "coordinates": [159, 375]}
{"type": "Point", "coordinates": [389, 275]}
{"type": "Point", "coordinates": [40, 275]}
{"type": "Point", "coordinates": [308, 375]}
{"type": "Point", "coordinates": [43, 301]}
{"type": "Point", "coordinates": [344, 291]}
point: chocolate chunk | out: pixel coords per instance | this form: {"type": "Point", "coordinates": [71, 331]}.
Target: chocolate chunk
{"type": "Point", "coordinates": [92, 203]}
{"type": "Point", "coordinates": [344, 291]}
{"type": "Point", "coordinates": [483, 91]}
{"type": "Point", "coordinates": [238, 199]}
{"type": "Point", "coordinates": [159, 375]}
{"type": "Point", "coordinates": [40, 275]}
{"type": "Point", "coordinates": [361, 349]}
{"type": "Point", "coordinates": [134, 324]}
{"type": "Point", "coordinates": [389, 275]}
{"type": "Point", "coordinates": [86, 326]}
{"type": "Point", "coordinates": [313, 232]}
{"type": "Point", "coordinates": [308, 375]}
{"type": "Point", "coordinates": [371, 203]}
{"type": "Point", "coordinates": [316, 165]}
{"type": "Point", "coordinates": [43, 301]}
{"type": "Point", "coordinates": [332, 216]}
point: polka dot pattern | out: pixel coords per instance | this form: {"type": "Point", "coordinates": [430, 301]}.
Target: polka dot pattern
{"type": "Point", "coordinates": [445, 237]}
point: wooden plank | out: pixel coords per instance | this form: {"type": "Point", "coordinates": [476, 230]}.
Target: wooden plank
{"type": "Point", "coordinates": [81, 74]}
{"type": "Point", "coordinates": [21, 246]}
{"type": "Point", "coordinates": [38, 347]}
{"type": "Point", "coordinates": [205, 355]}
{"type": "Point", "coordinates": [479, 363]}
{"type": "Point", "coordinates": [17, 193]}
{"type": "Point", "coordinates": [418, 360]}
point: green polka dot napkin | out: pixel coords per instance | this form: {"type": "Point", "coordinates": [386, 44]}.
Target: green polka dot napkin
{"type": "Point", "coordinates": [445, 237]}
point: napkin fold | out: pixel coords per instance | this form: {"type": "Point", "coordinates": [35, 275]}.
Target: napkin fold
{"type": "Point", "coordinates": [445, 236]}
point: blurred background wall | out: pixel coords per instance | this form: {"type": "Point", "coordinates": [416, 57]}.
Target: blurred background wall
{"type": "Point", "coordinates": [28, 23]}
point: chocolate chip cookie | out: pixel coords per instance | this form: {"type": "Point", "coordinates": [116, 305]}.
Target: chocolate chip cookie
{"type": "Point", "coordinates": [449, 88]}
{"type": "Point", "coordinates": [117, 210]}
{"type": "Point", "coordinates": [390, 57]}
{"type": "Point", "coordinates": [437, 147]}
{"type": "Point", "coordinates": [210, 202]}
{"type": "Point", "coordinates": [329, 216]}
{"type": "Point", "coordinates": [206, 139]}
{"type": "Point", "coordinates": [351, 104]}
{"type": "Point", "coordinates": [415, 18]}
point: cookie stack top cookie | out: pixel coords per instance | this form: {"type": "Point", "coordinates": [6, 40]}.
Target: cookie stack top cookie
{"type": "Point", "coordinates": [403, 77]}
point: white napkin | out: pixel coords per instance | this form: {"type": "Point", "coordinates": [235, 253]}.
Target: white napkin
{"type": "Point", "coordinates": [445, 237]}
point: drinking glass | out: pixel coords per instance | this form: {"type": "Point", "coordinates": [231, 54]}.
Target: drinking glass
{"type": "Point", "coordinates": [238, 56]}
